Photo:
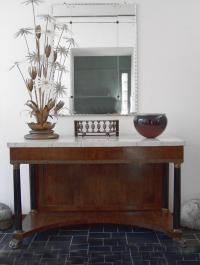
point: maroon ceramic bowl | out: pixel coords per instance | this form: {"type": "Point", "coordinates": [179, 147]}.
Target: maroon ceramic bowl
{"type": "Point", "coordinates": [150, 125]}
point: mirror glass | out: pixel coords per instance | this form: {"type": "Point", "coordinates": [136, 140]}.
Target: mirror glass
{"type": "Point", "coordinates": [102, 64]}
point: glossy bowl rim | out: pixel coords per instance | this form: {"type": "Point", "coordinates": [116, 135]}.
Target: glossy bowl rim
{"type": "Point", "coordinates": [150, 114]}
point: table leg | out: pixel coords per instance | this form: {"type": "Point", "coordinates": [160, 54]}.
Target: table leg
{"type": "Point", "coordinates": [32, 189]}
{"type": "Point", "coordinates": [177, 196]}
{"type": "Point", "coordinates": [14, 243]}
{"type": "Point", "coordinates": [165, 199]}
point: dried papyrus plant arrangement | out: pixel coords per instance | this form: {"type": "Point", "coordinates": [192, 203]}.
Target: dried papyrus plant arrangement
{"type": "Point", "coordinates": [44, 66]}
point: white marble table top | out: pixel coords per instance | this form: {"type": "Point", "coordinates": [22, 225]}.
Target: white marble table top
{"type": "Point", "coordinates": [97, 141]}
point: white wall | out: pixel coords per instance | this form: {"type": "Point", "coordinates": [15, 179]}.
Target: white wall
{"type": "Point", "coordinates": [169, 81]}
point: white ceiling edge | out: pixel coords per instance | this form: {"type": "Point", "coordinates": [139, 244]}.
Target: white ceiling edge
{"type": "Point", "coordinates": [100, 8]}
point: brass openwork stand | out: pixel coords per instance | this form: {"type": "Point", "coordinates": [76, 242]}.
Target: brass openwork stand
{"type": "Point", "coordinates": [96, 127]}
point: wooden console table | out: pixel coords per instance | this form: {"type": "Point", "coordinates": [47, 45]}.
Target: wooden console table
{"type": "Point", "coordinates": [122, 180]}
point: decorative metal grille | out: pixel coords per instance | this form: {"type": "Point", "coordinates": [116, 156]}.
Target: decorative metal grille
{"type": "Point", "coordinates": [96, 127]}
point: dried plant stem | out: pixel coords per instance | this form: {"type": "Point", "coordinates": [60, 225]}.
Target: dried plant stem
{"type": "Point", "coordinates": [45, 36]}
{"type": "Point", "coordinates": [40, 97]}
{"type": "Point", "coordinates": [30, 94]}
{"type": "Point", "coordinates": [37, 48]}
{"type": "Point", "coordinates": [45, 100]}
{"type": "Point", "coordinates": [61, 73]}
{"type": "Point", "coordinates": [52, 69]}
{"type": "Point", "coordinates": [36, 97]}
{"type": "Point", "coordinates": [21, 73]}
{"type": "Point", "coordinates": [34, 20]}
{"type": "Point", "coordinates": [51, 79]}
{"type": "Point", "coordinates": [52, 72]}
{"type": "Point", "coordinates": [47, 65]}
{"type": "Point", "coordinates": [27, 48]}
{"type": "Point", "coordinates": [49, 96]}
{"type": "Point", "coordinates": [42, 100]}
{"type": "Point", "coordinates": [38, 54]}
{"type": "Point", "coordinates": [60, 38]}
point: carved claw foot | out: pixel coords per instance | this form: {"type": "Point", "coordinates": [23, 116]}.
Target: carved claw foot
{"type": "Point", "coordinates": [181, 242]}
{"type": "Point", "coordinates": [14, 243]}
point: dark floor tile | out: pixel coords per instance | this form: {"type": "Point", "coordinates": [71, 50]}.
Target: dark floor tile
{"type": "Point", "coordinates": [191, 256]}
{"type": "Point", "coordinates": [58, 244]}
{"type": "Point", "coordinates": [161, 262]}
{"type": "Point", "coordinates": [49, 255]}
{"type": "Point", "coordinates": [101, 263]}
{"type": "Point", "coordinates": [142, 237]}
{"type": "Point", "coordinates": [81, 252]}
{"type": "Point", "coordinates": [190, 231]}
{"type": "Point", "coordinates": [79, 239]}
{"type": "Point", "coordinates": [7, 260]}
{"type": "Point", "coordinates": [51, 263]}
{"type": "Point", "coordinates": [102, 245]}
{"type": "Point", "coordinates": [125, 228]}
{"type": "Point", "coordinates": [187, 262]}
{"type": "Point", "coordinates": [140, 262]}
{"type": "Point", "coordinates": [17, 263]}
{"type": "Point", "coordinates": [173, 249]}
{"type": "Point", "coordinates": [74, 227]}
{"type": "Point", "coordinates": [173, 256]}
{"type": "Point", "coordinates": [99, 248]}
{"type": "Point", "coordinates": [73, 232]}
{"type": "Point", "coordinates": [189, 236]}
{"type": "Point", "coordinates": [121, 248]}
{"type": "Point", "coordinates": [37, 245]}
{"type": "Point", "coordinates": [118, 235]}
{"type": "Point", "coordinates": [41, 237]}
{"type": "Point", "coordinates": [146, 248]}
{"type": "Point", "coordinates": [163, 236]}
{"type": "Point", "coordinates": [114, 242]}
{"type": "Point", "coordinates": [78, 260]}
{"type": "Point", "coordinates": [99, 235]}
{"type": "Point", "coordinates": [122, 262]}
{"type": "Point", "coordinates": [197, 235]}
{"type": "Point", "coordinates": [79, 246]}
{"type": "Point", "coordinates": [191, 249]}
{"type": "Point", "coordinates": [119, 258]}
{"type": "Point", "coordinates": [110, 228]}
{"type": "Point", "coordinates": [29, 260]}
{"type": "Point", "coordinates": [46, 260]}
{"type": "Point", "coordinates": [96, 259]}
{"type": "Point", "coordinates": [135, 254]}
{"type": "Point", "coordinates": [192, 243]}
{"type": "Point", "coordinates": [1, 236]}
{"type": "Point", "coordinates": [60, 238]}
{"type": "Point", "coordinates": [96, 228]}
{"type": "Point", "coordinates": [170, 244]}
{"type": "Point", "coordinates": [6, 238]}
{"type": "Point", "coordinates": [152, 255]}
{"type": "Point", "coordinates": [141, 229]}
{"type": "Point", "coordinates": [95, 241]}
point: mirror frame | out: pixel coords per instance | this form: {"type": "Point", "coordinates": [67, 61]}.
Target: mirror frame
{"type": "Point", "coordinates": [96, 9]}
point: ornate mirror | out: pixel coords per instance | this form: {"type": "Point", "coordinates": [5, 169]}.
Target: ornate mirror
{"type": "Point", "coordinates": [102, 62]}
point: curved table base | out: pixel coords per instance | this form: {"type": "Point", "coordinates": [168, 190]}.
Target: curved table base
{"type": "Point", "coordinates": [159, 220]}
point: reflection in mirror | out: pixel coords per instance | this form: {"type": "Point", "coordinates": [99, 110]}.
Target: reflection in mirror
{"type": "Point", "coordinates": [102, 64]}
{"type": "Point", "coordinates": [98, 82]}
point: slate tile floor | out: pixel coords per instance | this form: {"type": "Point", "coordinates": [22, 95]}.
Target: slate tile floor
{"type": "Point", "coordinates": [101, 245]}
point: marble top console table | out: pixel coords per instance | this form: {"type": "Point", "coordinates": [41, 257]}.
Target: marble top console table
{"type": "Point", "coordinates": [122, 180]}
